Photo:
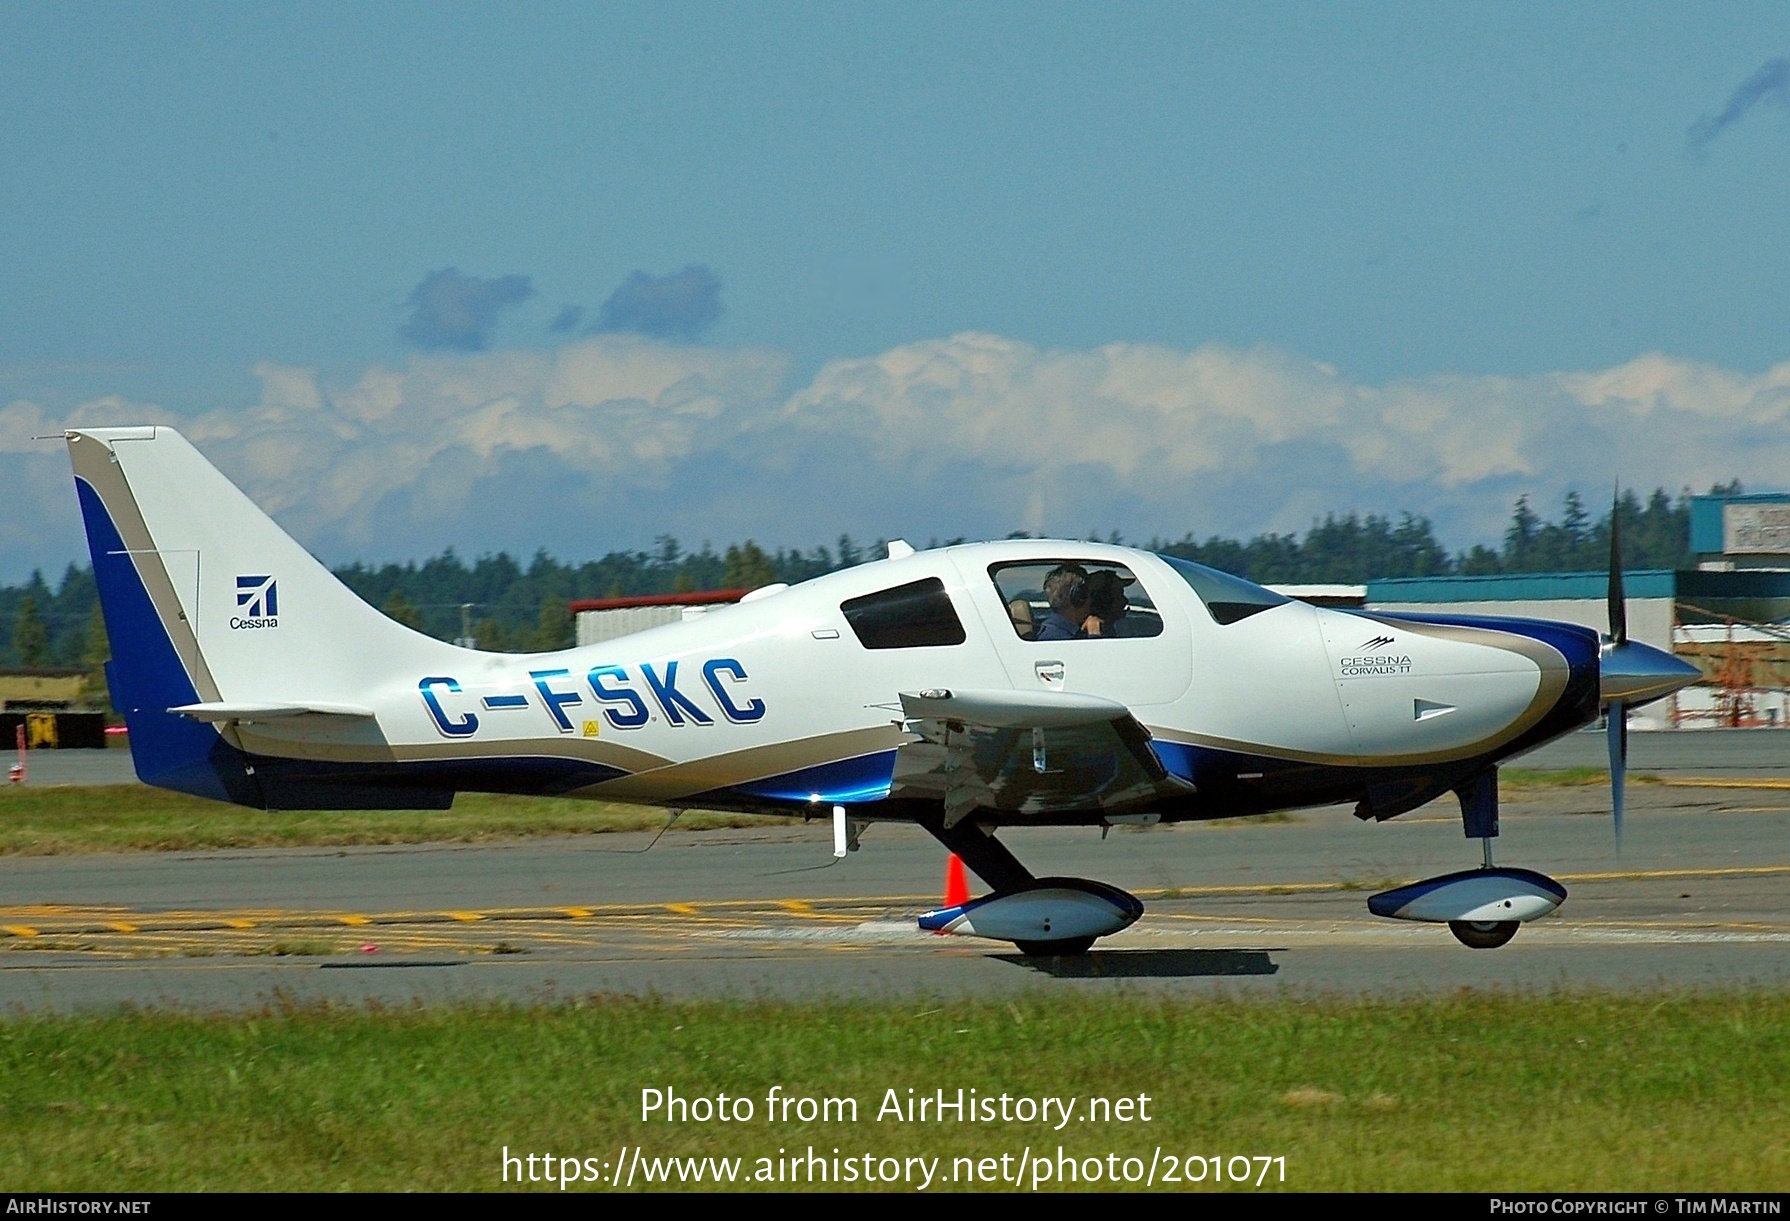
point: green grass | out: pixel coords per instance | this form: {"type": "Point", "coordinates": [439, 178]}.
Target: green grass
{"type": "Point", "coordinates": [1471, 1092]}
{"type": "Point", "coordinates": [123, 818]}
{"type": "Point", "coordinates": [1566, 777]}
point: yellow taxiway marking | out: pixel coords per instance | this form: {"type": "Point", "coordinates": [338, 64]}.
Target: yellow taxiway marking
{"type": "Point", "coordinates": [1254, 888]}
{"type": "Point", "coordinates": [1624, 875]}
{"type": "Point", "coordinates": [1693, 783]}
{"type": "Point", "coordinates": [38, 920]}
{"type": "Point", "coordinates": [1632, 875]}
{"type": "Point", "coordinates": [662, 935]}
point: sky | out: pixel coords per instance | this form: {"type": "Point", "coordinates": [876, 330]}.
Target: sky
{"type": "Point", "coordinates": [577, 276]}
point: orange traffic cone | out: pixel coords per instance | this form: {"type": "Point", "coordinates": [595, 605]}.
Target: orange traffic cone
{"type": "Point", "coordinates": [957, 887]}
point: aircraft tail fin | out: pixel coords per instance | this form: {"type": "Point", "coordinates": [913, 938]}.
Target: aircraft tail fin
{"type": "Point", "coordinates": [208, 602]}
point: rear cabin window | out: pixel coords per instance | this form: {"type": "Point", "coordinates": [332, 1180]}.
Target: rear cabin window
{"type": "Point", "coordinates": [1103, 601]}
{"type": "Point", "coordinates": [913, 616]}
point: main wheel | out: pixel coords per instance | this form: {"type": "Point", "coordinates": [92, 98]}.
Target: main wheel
{"type": "Point", "coordinates": [1483, 934]}
{"type": "Point", "coordinates": [1068, 947]}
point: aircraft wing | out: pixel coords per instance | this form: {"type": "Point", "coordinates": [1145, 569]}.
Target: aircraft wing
{"type": "Point", "coordinates": [1020, 752]}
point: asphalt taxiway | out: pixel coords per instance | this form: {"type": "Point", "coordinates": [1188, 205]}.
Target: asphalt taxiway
{"type": "Point", "coordinates": [1700, 896]}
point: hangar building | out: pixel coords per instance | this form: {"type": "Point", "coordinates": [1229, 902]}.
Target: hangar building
{"type": "Point", "coordinates": [600, 619]}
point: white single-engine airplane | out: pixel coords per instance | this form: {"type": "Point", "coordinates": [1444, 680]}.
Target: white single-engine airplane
{"type": "Point", "coordinates": [955, 688]}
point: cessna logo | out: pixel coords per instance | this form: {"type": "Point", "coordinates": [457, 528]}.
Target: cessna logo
{"type": "Point", "coordinates": [1369, 664]}
{"type": "Point", "coordinates": [258, 598]}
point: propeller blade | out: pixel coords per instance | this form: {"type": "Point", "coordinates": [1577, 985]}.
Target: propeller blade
{"type": "Point", "coordinates": [1616, 731]}
{"type": "Point", "coordinates": [1618, 605]}
{"type": "Point", "coordinates": [1616, 722]}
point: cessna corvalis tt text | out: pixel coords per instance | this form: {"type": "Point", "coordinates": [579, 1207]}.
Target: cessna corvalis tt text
{"type": "Point", "coordinates": [950, 688]}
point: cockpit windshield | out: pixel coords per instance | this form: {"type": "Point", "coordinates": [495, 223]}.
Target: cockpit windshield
{"type": "Point", "coordinates": [1228, 598]}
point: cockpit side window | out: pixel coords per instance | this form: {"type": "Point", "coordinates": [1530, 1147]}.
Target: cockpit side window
{"type": "Point", "coordinates": [1226, 597]}
{"type": "Point", "coordinates": [1070, 599]}
{"type": "Point", "coordinates": [916, 615]}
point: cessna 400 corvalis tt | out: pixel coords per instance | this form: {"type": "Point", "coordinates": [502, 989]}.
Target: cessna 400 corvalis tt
{"type": "Point", "coordinates": [951, 688]}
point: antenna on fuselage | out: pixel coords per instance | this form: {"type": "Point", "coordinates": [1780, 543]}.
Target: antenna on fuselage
{"type": "Point", "coordinates": [674, 814]}
{"type": "Point", "coordinates": [845, 839]}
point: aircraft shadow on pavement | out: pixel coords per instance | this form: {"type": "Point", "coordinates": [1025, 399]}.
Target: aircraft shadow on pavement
{"type": "Point", "coordinates": [1149, 964]}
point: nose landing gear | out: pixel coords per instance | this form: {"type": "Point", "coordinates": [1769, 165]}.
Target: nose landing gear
{"type": "Point", "coordinates": [1483, 934]}
{"type": "Point", "coordinates": [1482, 907]}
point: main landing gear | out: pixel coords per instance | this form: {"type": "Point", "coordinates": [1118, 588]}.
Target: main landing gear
{"type": "Point", "coordinates": [1482, 907]}
{"type": "Point", "coordinates": [1043, 917]}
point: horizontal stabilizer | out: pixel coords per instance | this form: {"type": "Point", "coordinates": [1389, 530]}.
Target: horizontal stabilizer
{"type": "Point", "coordinates": [268, 710]}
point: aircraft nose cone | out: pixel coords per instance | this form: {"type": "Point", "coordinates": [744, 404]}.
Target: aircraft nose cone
{"type": "Point", "coordinates": [1635, 673]}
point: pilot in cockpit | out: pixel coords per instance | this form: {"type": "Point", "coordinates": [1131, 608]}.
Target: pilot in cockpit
{"type": "Point", "coordinates": [1107, 604]}
{"type": "Point", "coordinates": [1066, 589]}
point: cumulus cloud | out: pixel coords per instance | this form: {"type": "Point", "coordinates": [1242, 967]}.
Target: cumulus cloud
{"type": "Point", "coordinates": [1152, 439]}
{"type": "Point", "coordinates": [567, 320]}
{"type": "Point", "coordinates": [678, 306]}
{"type": "Point", "coordinates": [1772, 81]}
{"type": "Point", "coordinates": [615, 439]}
{"type": "Point", "coordinates": [438, 445]}
{"type": "Point", "coordinates": [452, 311]}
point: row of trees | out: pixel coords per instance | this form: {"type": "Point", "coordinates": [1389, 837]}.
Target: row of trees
{"type": "Point", "coordinates": [55, 627]}
{"type": "Point", "coordinates": [505, 605]}
{"type": "Point", "coordinates": [1353, 549]}
{"type": "Point", "coordinates": [509, 606]}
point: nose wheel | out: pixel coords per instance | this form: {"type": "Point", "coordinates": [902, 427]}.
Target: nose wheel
{"type": "Point", "coordinates": [1483, 934]}
{"type": "Point", "coordinates": [1479, 818]}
